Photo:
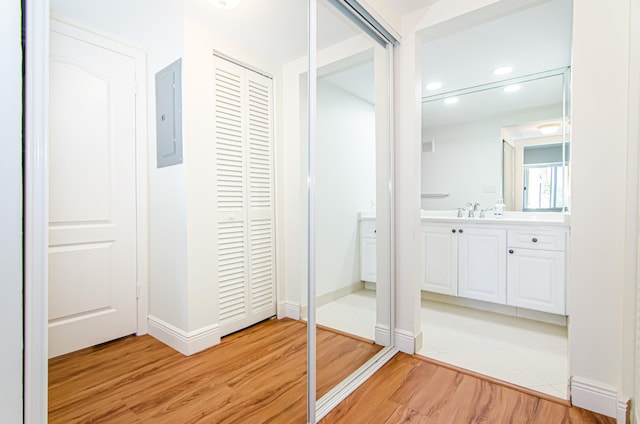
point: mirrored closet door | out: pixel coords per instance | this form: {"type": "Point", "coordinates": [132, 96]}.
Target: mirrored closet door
{"type": "Point", "coordinates": [350, 208]}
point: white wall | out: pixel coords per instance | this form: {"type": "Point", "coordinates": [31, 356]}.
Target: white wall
{"type": "Point", "coordinates": [346, 183]}
{"type": "Point", "coordinates": [11, 214]}
{"type": "Point", "coordinates": [599, 233]}
{"type": "Point", "coordinates": [467, 161]}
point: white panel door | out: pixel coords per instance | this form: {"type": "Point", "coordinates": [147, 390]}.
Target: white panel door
{"type": "Point", "coordinates": [482, 264]}
{"type": "Point", "coordinates": [244, 170]}
{"type": "Point", "coordinates": [92, 194]}
{"type": "Point", "coordinates": [536, 280]}
{"type": "Point", "coordinates": [440, 259]}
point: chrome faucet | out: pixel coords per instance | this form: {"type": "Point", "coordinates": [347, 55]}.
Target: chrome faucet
{"type": "Point", "coordinates": [482, 212]}
{"type": "Point", "coordinates": [473, 207]}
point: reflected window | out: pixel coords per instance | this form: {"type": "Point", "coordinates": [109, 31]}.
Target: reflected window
{"type": "Point", "coordinates": [544, 175]}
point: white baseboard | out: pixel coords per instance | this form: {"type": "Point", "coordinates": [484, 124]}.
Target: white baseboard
{"type": "Point", "coordinates": [621, 416]}
{"type": "Point", "coordinates": [496, 308]}
{"type": "Point", "coordinates": [184, 342]}
{"type": "Point", "coordinates": [383, 335]}
{"type": "Point", "coordinates": [595, 396]}
{"type": "Point", "coordinates": [405, 341]}
{"type": "Point", "coordinates": [339, 293]}
{"type": "Point", "coordinates": [289, 310]}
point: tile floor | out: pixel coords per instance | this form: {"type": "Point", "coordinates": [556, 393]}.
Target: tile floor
{"type": "Point", "coordinates": [520, 351]}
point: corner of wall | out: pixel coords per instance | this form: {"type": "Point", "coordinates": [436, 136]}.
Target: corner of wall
{"type": "Point", "coordinates": [289, 310]}
{"type": "Point", "coordinates": [184, 342]}
{"type": "Point", "coordinates": [407, 342]}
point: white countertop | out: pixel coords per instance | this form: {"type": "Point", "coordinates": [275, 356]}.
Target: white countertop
{"type": "Point", "coordinates": [526, 218]}
{"type": "Point", "coordinates": [520, 218]}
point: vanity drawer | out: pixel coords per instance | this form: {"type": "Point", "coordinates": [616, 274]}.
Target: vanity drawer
{"type": "Point", "coordinates": [367, 228]}
{"type": "Point", "coordinates": [541, 240]}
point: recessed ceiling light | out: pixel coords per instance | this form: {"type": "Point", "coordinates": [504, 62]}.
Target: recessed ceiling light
{"type": "Point", "coordinates": [433, 85]}
{"type": "Point", "coordinates": [225, 4]}
{"type": "Point", "coordinates": [512, 88]}
{"type": "Point", "coordinates": [549, 128]}
{"type": "Point", "coordinates": [503, 70]}
{"type": "Point", "coordinates": [451, 100]}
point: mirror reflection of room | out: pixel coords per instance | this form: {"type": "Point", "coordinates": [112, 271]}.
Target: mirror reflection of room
{"type": "Point", "coordinates": [495, 197]}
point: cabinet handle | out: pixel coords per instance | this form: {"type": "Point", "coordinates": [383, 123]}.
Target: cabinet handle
{"type": "Point", "coordinates": [453, 231]}
{"type": "Point", "coordinates": [375, 231]}
{"type": "Point", "coordinates": [511, 251]}
{"type": "Point", "coordinates": [535, 240]}
{"type": "Point", "coordinates": [460, 231]}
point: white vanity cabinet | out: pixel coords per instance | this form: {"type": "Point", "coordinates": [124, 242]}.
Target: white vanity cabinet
{"type": "Point", "coordinates": [482, 263]}
{"type": "Point", "coordinates": [536, 270]}
{"type": "Point", "coordinates": [368, 250]}
{"type": "Point", "coordinates": [519, 264]}
{"type": "Point", "coordinates": [440, 259]}
{"type": "Point", "coordinates": [464, 261]}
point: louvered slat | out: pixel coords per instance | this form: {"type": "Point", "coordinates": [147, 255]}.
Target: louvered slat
{"type": "Point", "coordinates": [260, 163]}
{"type": "Point", "coordinates": [229, 141]}
{"type": "Point", "coordinates": [261, 266]}
{"type": "Point", "coordinates": [231, 271]}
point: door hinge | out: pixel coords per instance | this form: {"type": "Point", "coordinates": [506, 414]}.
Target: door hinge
{"type": "Point", "coordinates": [137, 291]}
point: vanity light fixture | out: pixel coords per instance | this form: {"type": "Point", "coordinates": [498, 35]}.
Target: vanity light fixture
{"type": "Point", "coordinates": [511, 88]}
{"type": "Point", "coordinates": [225, 4]}
{"type": "Point", "coordinates": [451, 100]}
{"type": "Point", "coordinates": [433, 85]}
{"type": "Point", "coordinates": [549, 128]}
{"type": "Point", "coordinates": [503, 70]}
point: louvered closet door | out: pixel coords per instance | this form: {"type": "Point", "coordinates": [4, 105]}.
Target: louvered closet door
{"type": "Point", "coordinates": [244, 169]}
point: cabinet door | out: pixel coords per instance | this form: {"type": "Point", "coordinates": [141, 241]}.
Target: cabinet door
{"type": "Point", "coordinates": [482, 264]}
{"type": "Point", "coordinates": [536, 280]}
{"type": "Point", "coordinates": [368, 259]}
{"type": "Point", "coordinates": [440, 259]}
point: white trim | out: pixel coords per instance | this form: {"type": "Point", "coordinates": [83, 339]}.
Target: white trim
{"type": "Point", "coordinates": [184, 342]}
{"type": "Point", "coordinates": [405, 341]}
{"type": "Point", "coordinates": [637, 414]}
{"type": "Point", "coordinates": [288, 309]}
{"type": "Point", "coordinates": [352, 382]}
{"type": "Point", "coordinates": [621, 416]}
{"type": "Point", "coordinates": [383, 335]}
{"type": "Point", "coordinates": [340, 293]}
{"type": "Point", "coordinates": [36, 212]}
{"type": "Point", "coordinates": [594, 396]}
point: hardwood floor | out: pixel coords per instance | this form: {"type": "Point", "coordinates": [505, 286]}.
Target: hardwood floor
{"type": "Point", "coordinates": [259, 376]}
{"type": "Point", "coordinates": [254, 376]}
{"type": "Point", "coordinates": [409, 389]}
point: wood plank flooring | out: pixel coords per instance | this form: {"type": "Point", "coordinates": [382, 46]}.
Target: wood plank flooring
{"type": "Point", "coordinates": [409, 389]}
{"type": "Point", "coordinates": [254, 376]}
{"type": "Point", "coordinates": [259, 376]}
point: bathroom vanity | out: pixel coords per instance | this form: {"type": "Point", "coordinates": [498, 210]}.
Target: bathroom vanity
{"type": "Point", "coordinates": [517, 260]}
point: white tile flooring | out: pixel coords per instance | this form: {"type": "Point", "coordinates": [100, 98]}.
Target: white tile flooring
{"type": "Point", "coordinates": [520, 351]}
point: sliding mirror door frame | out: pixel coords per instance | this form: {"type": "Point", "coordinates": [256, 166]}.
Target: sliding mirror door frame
{"type": "Point", "coordinates": [317, 409]}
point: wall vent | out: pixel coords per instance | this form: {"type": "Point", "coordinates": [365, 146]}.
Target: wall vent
{"type": "Point", "coordinates": [428, 146]}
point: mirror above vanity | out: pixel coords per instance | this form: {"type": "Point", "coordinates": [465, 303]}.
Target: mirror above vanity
{"type": "Point", "coordinates": [495, 125]}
